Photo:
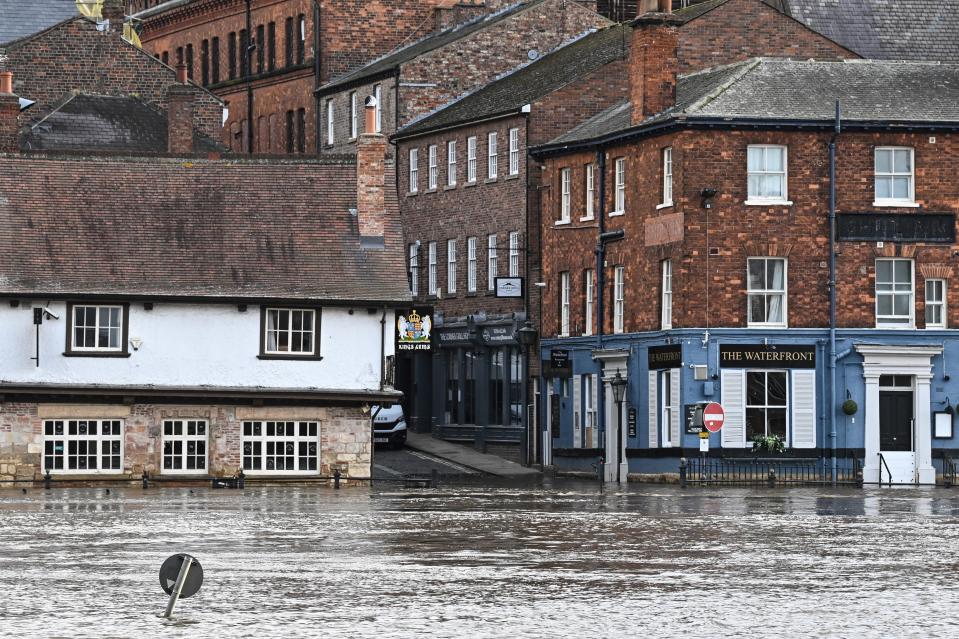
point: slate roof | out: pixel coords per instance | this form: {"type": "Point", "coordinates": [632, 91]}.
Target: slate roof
{"type": "Point", "coordinates": [20, 18]}
{"type": "Point", "coordinates": [155, 228]}
{"type": "Point", "coordinates": [788, 90]}
{"type": "Point", "coordinates": [85, 122]}
{"type": "Point", "coordinates": [398, 56]}
{"type": "Point", "coordinates": [518, 88]}
{"type": "Point", "coordinates": [885, 29]}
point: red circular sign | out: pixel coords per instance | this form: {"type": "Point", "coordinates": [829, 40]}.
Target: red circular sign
{"type": "Point", "coordinates": [713, 417]}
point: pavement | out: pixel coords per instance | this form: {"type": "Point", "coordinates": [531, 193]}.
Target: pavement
{"type": "Point", "coordinates": [468, 457]}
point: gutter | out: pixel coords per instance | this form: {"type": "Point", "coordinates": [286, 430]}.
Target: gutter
{"type": "Point", "coordinates": [337, 86]}
{"type": "Point", "coordinates": [400, 135]}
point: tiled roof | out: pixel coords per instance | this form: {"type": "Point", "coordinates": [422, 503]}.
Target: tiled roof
{"type": "Point", "coordinates": [409, 52]}
{"type": "Point", "coordinates": [20, 18]}
{"type": "Point", "coordinates": [105, 123]}
{"type": "Point", "coordinates": [213, 229]}
{"type": "Point", "coordinates": [886, 29]}
{"type": "Point", "coordinates": [536, 79]}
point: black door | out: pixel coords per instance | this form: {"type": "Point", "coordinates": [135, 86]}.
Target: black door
{"type": "Point", "coordinates": [895, 421]}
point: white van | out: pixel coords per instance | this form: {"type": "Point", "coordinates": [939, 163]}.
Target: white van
{"type": "Point", "coordinates": [389, 426]}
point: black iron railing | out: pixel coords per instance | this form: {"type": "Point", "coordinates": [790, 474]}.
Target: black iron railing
{"type": "Point", "coordinates": [882, 463]}
{"type": "Point", "coordinates": [768, 471]}
{"type": "Point", "coordinates": [948, 471]}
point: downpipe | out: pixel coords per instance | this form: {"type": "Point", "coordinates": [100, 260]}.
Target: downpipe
{"type": "Point", "coordinates": [832, 293]}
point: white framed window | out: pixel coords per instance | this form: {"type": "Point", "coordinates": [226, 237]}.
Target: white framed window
{"type": "Point", "coordinates": [666, 401]}
{"type": "Point", "coordinates": [431, 269]}
{"type": "Point", "coordinates": [77, 446]}
{"type": "Point", "coordinates": [353, 120]}
{"type": "Point", "coordinates": [667, 177]}
{"type": "Point", "coordinates": [667, 301]}
{"type": "Point", "coordinates": [471, 159]}
{"type": "Point", "coordinates": [895, 176]}
{"type": "Point", "coordinates": [414, 269]}
{"type": "Point", "coordinates": [514, 254]}
{"type": "Point", "coordinates": [451, 266]}
{"type": "Point", "coordinates": [935, 303]}
{"type": "Point", "coordinates": [565, 182]}
{"type": "Point", "coordinates": [619, 298]}
{"type": "Point", "coordinates": [451, 163]}
{"type": "Point", "coordinates": [281, 447]}
{"type": "Point", "coordinates": [590, 207]}
{"type": "Point", "coordinates": [895, 293]}
{"type": "Point", "coordinates": [766, 291]}
{"type": "Point", "coordinates": [492, 159]}
{"type": "Point", "coordinates": [289, 331]}
{"type": "Point", "coordinates": [766, 170]}
{"type": "Point", "coordinates": [619, 196]}
{"type": "Point", "coordinates": [432, 170]}
{"type": "Point", "coordinates": [514, 151]}
{"type": "Point", "coordinates": [414, 170]}
{"type": "Point", "coordinates": [589, 293]}
{"type": "Point", "coordinates": [329, 122]}
{"type": "Point", "coordinates": [378, 111]}
{"type": "Point", "coordinates": [491, 262]}
{"type": "Point", "coordinates": [767, 404]}
{"type": "Point", "coordinates": [97, 328]}
{"type": "Point", "coordinates": [471, 264]}
{"type": "Point", "coordinates": [564, 304]}
{"type": "Point", "coordinates": [184, 446]}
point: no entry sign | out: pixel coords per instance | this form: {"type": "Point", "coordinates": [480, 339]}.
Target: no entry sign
{"type": "Point", "coordinates": [713, 417]}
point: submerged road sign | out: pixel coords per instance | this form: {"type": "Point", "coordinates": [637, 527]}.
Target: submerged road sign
{"type": "Point", "coordinates": [170, 570]}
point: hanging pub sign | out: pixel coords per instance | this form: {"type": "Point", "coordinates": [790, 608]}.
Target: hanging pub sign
{"type": "Point", "coordinates": [413, 329]}
{"type": "Point", "coordinates": [558, 364]}
{"type": "Point", "coordinates": [897, 227]}
{"type": "Point", "coordinates": [669, 356]}
{"type": "Point", "coordinates": [766, 356]}
{"type": "Point", "coordinates": [509, 287]}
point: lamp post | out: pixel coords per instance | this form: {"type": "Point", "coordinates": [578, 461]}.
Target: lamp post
{"type": "Point", "coordinates": [618, 384]}
{"type": "Point", "coordinates": [526, 337]}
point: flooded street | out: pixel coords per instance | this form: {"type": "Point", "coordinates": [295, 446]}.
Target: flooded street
{"type": "Point", "coordinates": [564, 560]}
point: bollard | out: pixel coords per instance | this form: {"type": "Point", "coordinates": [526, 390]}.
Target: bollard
{"type": "Point", "coordinates": [771, 478]}
{"type": "Point", "coordinates": [434, 478]}
{"type": "Point", "coordinates": [336, 479]}
{"type": "Point", "coordinates": [46, 480]}
{"type": "Point", "coordinates": [146, 480]}
{"type": "Point", "coordinates": [240, 480]}
{"type": "Point", "coordinates": [682, 472]}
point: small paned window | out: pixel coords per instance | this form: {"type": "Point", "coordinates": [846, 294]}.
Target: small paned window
{"type": "Point", "coordinates": [431, 269]}
{"type": "Point", "coordinates": [451, 163]}
{"type": "Point", "coordinates": [289, 331]}
{"type": "Point", "coordinates": [619, 298]}
{"type": "Point", "coordinates": [766, 404]}
{"type": "Point", "coordinates": [895, 178]}
{"type": "Point", "coordinates": [766, 279]}
{"type": "Point", "coordinates": [514, 151]}
{"type": "Point", "coordinates": [492, 159]}
{"type": "Point", "coordinates": [330, 122]}
{"type": "Point", "coordinates": [935, 303]}
{"type": "Point", "coordinates": [667, 303]}
{"type": "Point", "coordinates": [353, 116]}
{"type": "Point", "coordinates": [281, 447]}
{"type": "Point", "coordinates": [619, 199]}
{"type": "Point", "coordinates": [471, 265]}
{"type": "Point", "coordinates": [451, 267]}
{"type": "Point", "coordinates": [414, 269]}
{"type": "Point", "coordinates": [667, 176]}
{"type": "Point", "coordinates": [471, 159]}
{"type": "Point", "coordinates": [766, 169]}
{"type": "Point", "coordinates": [184, 445]}
{"type": "Point", "coordinates": [83, 445]}
{"type": "Point", "coordinates": [414, 170]}
{"type": "Point", "coordinates": [565, 181]}
{"type": "Point", "coordinates": [491, 262]}
{"type": "Point", "coordinates": [433, 171]}
{"type": "Point", "coordinates": [590, 190]}
{"type": "Point", "coordinates": [589, 295]}
{"type": "Point", "coordinates": [97, 328]}
{"type": "Point", "coordinates": [895, 298]}
{"type": "Point", "coordinates": [564, 304]}
{"type": "Point", "coordinates": [514, 254]}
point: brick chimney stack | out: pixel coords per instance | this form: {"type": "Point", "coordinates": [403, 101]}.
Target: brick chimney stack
{"type": "Point", "coordinates": [180, 115]}
{"type": "Point", "coordinates": [115, 12]}
{"type": "Point", "coordinates": [653, 61]}
{"type": "Point", "coordinates": [371, 176]}
{"type": "Point", "coordinates": [9, 114]}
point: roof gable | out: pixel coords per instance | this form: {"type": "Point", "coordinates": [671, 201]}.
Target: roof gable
{"type": "Point", "coordinates": [22, 18]}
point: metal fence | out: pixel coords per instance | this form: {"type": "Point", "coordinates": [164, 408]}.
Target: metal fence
{"type": "Point", "coordinates": [704, 471]}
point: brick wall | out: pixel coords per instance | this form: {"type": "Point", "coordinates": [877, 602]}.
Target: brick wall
{"type": "Point", "coordinates": [273, 99]}
{"type": "Point", "coordinates": [342, 141]}
{"type": "Point", "coordinates": [75, 56]}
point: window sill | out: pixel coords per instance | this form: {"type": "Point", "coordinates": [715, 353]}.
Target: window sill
{"type": "Point", "coordinates": [304, 358]}
{"type": "Point", "coordinates": [490, 181]}
{"type": "Point", "coordinates": [896, 204]}
{"type": "Point", "coordinates": [589, 218]}
{"type": "Point", "coordinates": [412, 194]}
{"type": "Point", "coordinates": [664, 205]}
{"type": "Point", "coordinates": [473, 183]}
{"type": "Point", "coordinates": [935, 327]}
{"type": "Point", "coordinates": [616, 213]}
{"type": "Point", "coordinates": [433, 190]}
{"type": "Point", "coordinates": [895, 327]}
{"type": "Point", "coordinates": [748, 325]}
{"type": "Point", "coordinates": [95, 354]}
{"type": "Point", "coordinates": [432, 296]}
{"type": "Point", "coordinates": [562, 223]}
{"type": "Point", "coordinates": [768, 203]}
{"type": "Point", "coordinates": [471, 294]}
{"type": "Point", "coordinates": [512, 177]}
{"type": "Point", "coordinates": [449, 187]}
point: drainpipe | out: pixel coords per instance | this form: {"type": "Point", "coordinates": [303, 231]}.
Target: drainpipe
{"type": "Point", "coordinates": [317, 72]}
{"type": "Point", "coordinates": [383, 350]}
{"type": "Point", "coordinates": [600, 296]}
{"type": "Point", "coordinates": [248, 56]}
{"type": "Point", "coordinates": [831, 411]}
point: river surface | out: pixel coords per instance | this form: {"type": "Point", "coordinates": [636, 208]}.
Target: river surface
{"type": "Point", "coordinates": [562, 560]}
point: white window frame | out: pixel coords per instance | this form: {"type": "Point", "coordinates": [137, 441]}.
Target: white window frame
{"type": "Point", "coordinates": [378, 111]}
{"type": "Point", "coordinates": [330, 122]}
{"type": "Point", "coordinates": [514, 151]}
{"type": "Point", "coordinates": [353, 120]}
{"type": "Point", "coordinates": [590, 208]}
{"type": "Point", "coordinates": [492, 157]}
{"type": "Point", "coordinates": [589, 292]}
{"type": "Point", "coordinates": [414, 170]}
{"type": "Point", "coordinates": [759, 200]}
{"type": "Point", "coordinates": [451, 163]}
{"type": "Point", "coordinates": [787, 440]}
{"type": "Point", "coordinates": [910, 201]}
{"type": "Point", "coordinates": [432, 176]}
{"type": "Point", "coordinates": [667, 295]}
{"type": "Point", "coordinates": [50, 439]}
{"type": "Point", "coordinates": [936, 303]}
{"type": "Point", "coordinates": [619, 195]}
{"type": "Point", "coordinates": [667, 178]}
{"type": "Point", "coordinates": [564, 304]}
{"type": "Point", "coordinates": [451, 266]}
{"type": "Point", "coordinates": [414, 269]}
{"type": "Point", "coordinates": [97, 348]}
{"type": "Point", "coordinates": [185, 438]}
{"type": "Point", "coordinates": [883, 321]}
{"type": "Point", "coordinates": [492, 261]}
{"type": "Point", "coordinates": [471, 265]}
{"type": "Point", "coordinates": [565, 184]}
{"type": "Point", "coordinates": [264, 439]}
{"type": "Point", "coordinates": [308, 312]}
{"type": "Point", "coordinates": [666, 408]}
{"type": "Point", "coordinates": [514, 253]}
{"type": "Point", "coordinates": [431, 269]}
{"type": "Point", "coordinates": [619, 298]}
{"type": "Point", "coordinates": [765, 293]}
{"type": "Point", "coordinates": [471, 159]}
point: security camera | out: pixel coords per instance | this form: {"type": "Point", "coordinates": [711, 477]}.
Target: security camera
{"type": "Point", "coordinates": [50, 314]}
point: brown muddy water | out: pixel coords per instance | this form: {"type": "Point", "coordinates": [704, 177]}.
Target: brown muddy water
{"type": "Point", "coordinates": [562, 560]}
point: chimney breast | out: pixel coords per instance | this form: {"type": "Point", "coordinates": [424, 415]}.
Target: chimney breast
{"type": "Point", "coordinates": [179, 119]}
{"type": "Point", "coordinates": [9, 114]}
{"type": "Point", "coordinates": [115, 12]}
{"type": "Point", "coordinates": [371, 177]}
{"type": "Point", "coordinates": [181, 73]}
{"type": "Point", "coordinates": [653, 62]}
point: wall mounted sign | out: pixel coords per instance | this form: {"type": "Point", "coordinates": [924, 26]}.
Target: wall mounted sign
{"type": "Point", "coordinates": [497, 335]}
{"type": "Point", "coordinates": [509, 287]}
{"type": "Point", "coordinates": [558, 364]}
{"type": "Point", "coordinates": [631, 422]}
{"type": "Point", "coordinates": [943, 425]}
{"type": "Point", "coordinates": [766, 356]}
{"type": "Point", "coordinates": [897, 227]}
{"type": "Point", "coordinates": [413, 329]}
{"type": "Point", "coordinates": [669, 356]}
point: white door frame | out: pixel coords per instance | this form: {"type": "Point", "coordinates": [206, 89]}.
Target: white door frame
{"type": "Point", "coordinates": [915, 361]}
{"type": "Point", "coordinates": [613, 361]}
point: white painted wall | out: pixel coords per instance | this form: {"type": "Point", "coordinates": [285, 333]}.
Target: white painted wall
{"type": "Point", "coordinates": [196, 345]}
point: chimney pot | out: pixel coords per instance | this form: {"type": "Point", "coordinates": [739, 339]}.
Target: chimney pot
{"type": "Point", "coordinates": [370, 176]}
{"type": "Point", "coordinates": [6, 82]}
{"type": "Point", "coordinates": [369, 115]}
{"type": "Point", "coordinates": [181, 73]}
{"type": "Point", "coordinates": [9, 114]}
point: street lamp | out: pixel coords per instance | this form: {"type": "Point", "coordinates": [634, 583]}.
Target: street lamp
{"type": "Point", "coordinates": [526, 337]}
{"type": "Point", "coordinates": [618, 384]}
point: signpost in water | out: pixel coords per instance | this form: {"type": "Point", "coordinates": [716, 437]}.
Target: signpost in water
{"type": "Point", "coordinates": [180, 576]}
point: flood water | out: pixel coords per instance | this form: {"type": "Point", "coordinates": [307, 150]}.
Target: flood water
{"type": "Point", "coordinates": [565, 560]}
